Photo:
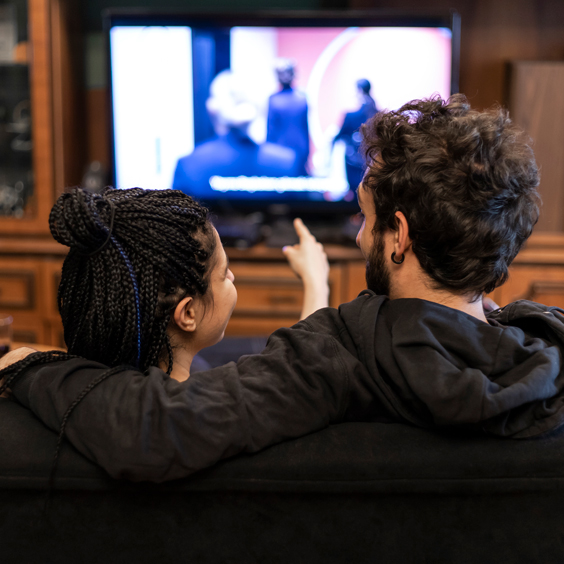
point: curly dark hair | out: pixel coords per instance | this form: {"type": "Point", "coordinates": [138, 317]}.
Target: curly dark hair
{"type": "Point", "coordinates": [134, 254]}
{"type": "Point", "coordinates": [466, 182]}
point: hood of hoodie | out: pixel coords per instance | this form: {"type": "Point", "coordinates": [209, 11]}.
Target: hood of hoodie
{"type": "Point", "coordinates": [438, 366]}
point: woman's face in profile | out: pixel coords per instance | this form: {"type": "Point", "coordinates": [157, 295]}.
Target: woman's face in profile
{"type": "Point", "coordinates": [222, 298]}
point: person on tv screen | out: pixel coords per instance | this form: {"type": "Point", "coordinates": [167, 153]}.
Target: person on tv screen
{"type": "Point", "coordinates": [232, 153]}
{"type": "Point", "coordinates": [350, 134]}
{"type": "Point", "coordinates": [287, 115]}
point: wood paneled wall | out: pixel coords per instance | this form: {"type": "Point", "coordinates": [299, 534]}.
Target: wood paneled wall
{"type": "Point", "coordinates": [98, 126]}
{"type": "Point", "coordinates": [536, 103]}
{"type": "Point", "coordinates": [68, 100]}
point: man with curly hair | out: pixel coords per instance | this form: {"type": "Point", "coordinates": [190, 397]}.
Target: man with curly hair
{"type": "Point", "coordinates": [449, 197]}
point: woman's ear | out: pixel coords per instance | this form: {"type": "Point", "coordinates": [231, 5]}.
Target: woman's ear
{"type": "Point", "coordinates": [185, 315]}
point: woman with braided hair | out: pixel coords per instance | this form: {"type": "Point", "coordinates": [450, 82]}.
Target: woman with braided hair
{"type": "Point", "coordinates": [146, 281]}
{"type": "Point", "coordinates": [134, 256]}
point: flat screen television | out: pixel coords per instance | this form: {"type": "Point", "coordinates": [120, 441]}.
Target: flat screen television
{"type": "Point", "coordinates": [250, 111]}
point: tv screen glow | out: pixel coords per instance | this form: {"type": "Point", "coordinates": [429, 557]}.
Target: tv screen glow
{"type": "Point", "coordinates": [202, 108]}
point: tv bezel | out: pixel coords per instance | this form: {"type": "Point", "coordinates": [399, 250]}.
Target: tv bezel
{"type": "Point", "coordinates": [368, 18]}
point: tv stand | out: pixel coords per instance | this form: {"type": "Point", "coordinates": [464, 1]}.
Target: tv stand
{"type": "Point", "coordinates": [270, 295]}
{"type": "Point", "coordinates": [245, 231]}
{"type": "Point", "coordinates": [328, 232]}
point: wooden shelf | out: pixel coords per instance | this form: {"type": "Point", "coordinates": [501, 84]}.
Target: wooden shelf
{"type": "Point", "coordinates": [31, 247]}
{"type": "Point", "coordinates": [57, 142]}
{"type": "Point", "coordinates": [262, 252]}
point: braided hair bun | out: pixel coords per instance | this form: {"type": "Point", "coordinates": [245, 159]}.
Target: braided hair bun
{"type": "Point", "coordinates": [130, 251]}
{"type": "Point", "coordinates": [81, 220]}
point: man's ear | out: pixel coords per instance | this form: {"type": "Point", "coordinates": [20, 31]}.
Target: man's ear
{"type": "Point", "coordinates": [185, 314]}
{"type": "Point", "coordinates": [402, 241]}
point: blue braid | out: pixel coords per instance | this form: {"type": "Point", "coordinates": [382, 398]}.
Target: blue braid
{"type": "Point", "coordinates": [136, 292]}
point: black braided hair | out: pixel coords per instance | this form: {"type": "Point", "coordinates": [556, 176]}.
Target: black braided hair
{"type": "Point", "coordinates": [106, 374]}
{"type": "Point", "coordinates": [134, 254]}
{"type": "Point", "coordinates": [11, 373]}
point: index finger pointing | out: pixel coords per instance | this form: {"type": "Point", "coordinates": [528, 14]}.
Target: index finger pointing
{"type": "Point", "coordinates": [301, 229]}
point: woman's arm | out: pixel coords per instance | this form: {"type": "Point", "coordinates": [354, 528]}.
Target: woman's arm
{"type": "Point", "coordinates": [309, 261]}
{"type": "Point", "coordinates": [151, 427]}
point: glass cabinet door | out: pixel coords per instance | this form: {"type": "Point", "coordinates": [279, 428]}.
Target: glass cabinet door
{"type": "Point", "coordinates": [16, 147]}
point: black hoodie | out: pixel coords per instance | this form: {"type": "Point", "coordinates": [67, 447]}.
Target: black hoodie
{"type": "Point", "coordinates": [373, 359]}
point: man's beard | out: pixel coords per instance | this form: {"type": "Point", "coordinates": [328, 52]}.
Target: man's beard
{"type": "Point", "coordinates": [377, 272]}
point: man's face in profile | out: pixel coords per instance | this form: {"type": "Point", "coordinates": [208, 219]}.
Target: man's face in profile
{"type": "Point", "coordinates": [372, 245]}
{"type": "Point", "coordinates": [377, 272]}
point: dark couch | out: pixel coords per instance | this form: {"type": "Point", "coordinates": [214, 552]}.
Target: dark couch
{"type": "Point", "coordinates": [355, 493]}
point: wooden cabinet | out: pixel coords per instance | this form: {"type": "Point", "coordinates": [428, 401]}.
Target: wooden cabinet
{"type": "Point", "coordinates": [537, 273]}
{"type": "Point", "coordinates": [18, 282]}
{"type": "Point", "coordinates": [52, 325]}
{"type": "Point", "coordinates": [28, 289]}
{"type": "Point", "coordinates": [40, 101]}
{"type": "Point", "coordinates": [42, 117]}
{"type": "Point", "coordinates": [270, 295]}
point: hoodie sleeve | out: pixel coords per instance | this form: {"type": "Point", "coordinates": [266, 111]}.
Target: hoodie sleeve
{"type": "Point", "coordinates": [151, 427]}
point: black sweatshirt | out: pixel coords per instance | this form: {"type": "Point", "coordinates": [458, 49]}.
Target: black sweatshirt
{"type": "Point", "coordinates": [373, 359]}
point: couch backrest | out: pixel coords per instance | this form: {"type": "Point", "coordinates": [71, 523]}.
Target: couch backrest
{"type": "Point", "coordinates": [355, 492]}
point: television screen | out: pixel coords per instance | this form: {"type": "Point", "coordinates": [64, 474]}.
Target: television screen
{"type": "Point", "coordinates": [263, 110]}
